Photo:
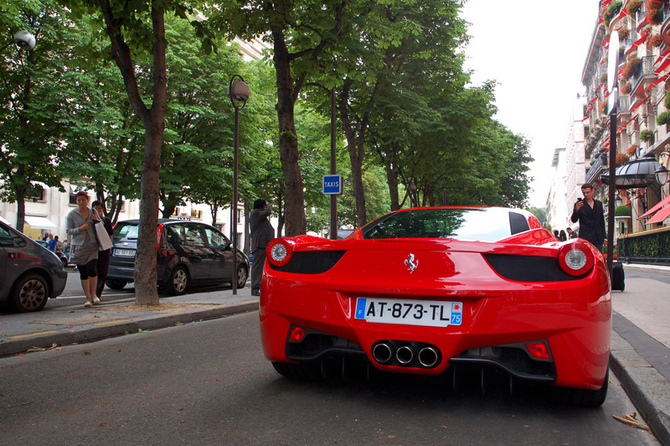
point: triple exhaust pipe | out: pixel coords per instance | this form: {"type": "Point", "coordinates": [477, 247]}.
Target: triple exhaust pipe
{"type": "Point", "coordinates": [407, 354]}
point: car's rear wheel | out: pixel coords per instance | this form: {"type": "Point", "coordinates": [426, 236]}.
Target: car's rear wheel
{"type": "Point", "coordinates": [241, 276]}
{"type": "Point", "coordinates": [583, 397]}
{"type": "Point", "coordinates": [116, 284]}
{"type": "Point", "coordinates": [30, 293]}
{"type": "Point", "coordinates": [177, 282]}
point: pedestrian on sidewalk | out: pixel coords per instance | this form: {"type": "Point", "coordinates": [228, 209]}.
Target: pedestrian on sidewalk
{"type": "Point", "coordinates": [262, 233]}
{"type": "Point", "coordinates": [84, 245]}
{"type": "Point", "coordinates": [60, 247]}
{"type": "Point", "coordinates": [103, 256]}
{"type": "Point", "coordinates": [52, 244]}
{"type": "Point", "coordinates": [591, 216]}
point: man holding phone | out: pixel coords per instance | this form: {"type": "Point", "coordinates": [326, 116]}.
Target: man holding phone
{"type": "Point", "coordinates": [591, 215]}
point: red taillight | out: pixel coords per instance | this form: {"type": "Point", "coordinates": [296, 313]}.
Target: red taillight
{"type": "Point", "coordinates": [279, 252]}
{"type": "Point", "coordinates": [539, 350]}
{"type": "Point", "coordinates": [576, 258]}
{"type": "Point", "coordinates": [296, 334]}
{"type": "Point", "coordinates": [159, 234]}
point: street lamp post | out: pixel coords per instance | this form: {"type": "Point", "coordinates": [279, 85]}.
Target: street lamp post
{"type": "Point", "coordinates": [662, 173]}
{"type": "Point", "coordinates": [238, 91]}
{"type": "Point", "coordinates": [22, 39]}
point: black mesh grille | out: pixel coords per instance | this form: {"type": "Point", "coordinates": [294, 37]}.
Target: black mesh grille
{"type": "Point", "coordinates": [528, 268]}
{"type": "Point", "coordinates": [311, 262]}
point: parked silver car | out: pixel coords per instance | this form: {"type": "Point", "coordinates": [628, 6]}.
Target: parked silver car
{"type": "Point", "coordinates": [29, 273]}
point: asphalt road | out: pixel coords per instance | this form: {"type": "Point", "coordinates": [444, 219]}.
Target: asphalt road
{"type": "Point", "coordinates": [208, 383]}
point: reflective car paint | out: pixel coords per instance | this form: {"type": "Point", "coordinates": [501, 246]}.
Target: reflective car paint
{"type": "Point", "coordinates": [573, 316]}
{"type": "Point", "coordinates": [21, 256]}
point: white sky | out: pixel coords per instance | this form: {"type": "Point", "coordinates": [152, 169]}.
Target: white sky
{"type": "Point", "coordinates": [536, 50]}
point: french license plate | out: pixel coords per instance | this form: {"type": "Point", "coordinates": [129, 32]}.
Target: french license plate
{"type": "Point", "coordinates": [124, 252]}
{"type": "Point", "coordinates": [428, 313]}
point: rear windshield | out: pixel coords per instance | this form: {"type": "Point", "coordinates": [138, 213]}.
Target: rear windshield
{"type": "Point", "coordinates": [126, 230]}
{"type": "Point", "coordinates": [491, 224]}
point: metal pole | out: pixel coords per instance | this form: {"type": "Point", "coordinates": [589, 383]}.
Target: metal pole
{"type": "Point", "coordinates": [233, 208]}
{"type": "Point", "coordinates": [612, 189]}
{"type": "Point", "coordinates": [333, 166]}
{"type": "Point", "coordinates": [238, 90]}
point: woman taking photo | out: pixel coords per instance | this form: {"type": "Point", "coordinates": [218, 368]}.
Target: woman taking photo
{"type": "Point", "coordinates": [84, 245]}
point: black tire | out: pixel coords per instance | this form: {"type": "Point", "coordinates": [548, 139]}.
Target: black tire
{"type": "Point", "coordinates": [30, 293]}
{"type": "Point", "coordinates": [242, 276]}
{"type": "Point", "coordinates": [116, 284]}
{"type": "Point", "coordinates": [582, 397]}
{"type": "Point", "coordinates": [177, 282]}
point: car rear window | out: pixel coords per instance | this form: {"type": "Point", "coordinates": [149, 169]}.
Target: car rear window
{"type": "Point", "coordinates": [127, 231]}
{"type": "Point", "coordinates": [490, 224]}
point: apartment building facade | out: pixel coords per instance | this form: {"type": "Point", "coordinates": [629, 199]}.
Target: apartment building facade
{"type": "Point", "coordinates": [642, 115]}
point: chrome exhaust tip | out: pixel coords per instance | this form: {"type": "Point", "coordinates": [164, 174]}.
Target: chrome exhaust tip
{"type": "Point", "coordinates": [404, 354]}
{"type": "Point", "coordinates": [428, 356]}
{"type": "Point", "coordinates": [382, 352]}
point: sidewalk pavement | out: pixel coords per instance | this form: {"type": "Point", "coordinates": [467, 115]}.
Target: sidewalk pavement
{"type": "Point", "coordinates": [27, 332]}
{"type": "Point", "coordinates": [640, 352]}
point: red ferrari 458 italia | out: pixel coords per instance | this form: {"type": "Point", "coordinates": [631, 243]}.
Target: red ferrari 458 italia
{"type": "Point", "coordinates": [426, 289]}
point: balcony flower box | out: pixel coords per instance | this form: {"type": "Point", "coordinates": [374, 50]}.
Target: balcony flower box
{"type": "Point", "coordinates": [656, 40]}
{"type": "Point", "coordinates": [612, 11]}
{"type": "Point", "coordinates": [631, 67]}
{"type": "Point", "coordinates": [632, 150]}
{"type": "Point", "coordinates": [654, 12]}
{"type": "Point", "coordinates": [633, 7]}
{"type": "Point", "coordinates": [621, 159]}
{"type": "Point", "coordinates": [647, 136]}
{"type": "Point", "coordinates": [663, 118]}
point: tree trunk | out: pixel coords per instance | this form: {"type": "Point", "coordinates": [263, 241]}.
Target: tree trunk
{"type": "Point", "coordinates": [296, 223]}
{"type": "Point", "coordinates": [392, 181]}
{"type": "Point", "coordinates": [146, 292]}
{"type": "Point", "coordinates": [146, 277]}
{"type": "Point", "coordinates": [20, 206]}
{"type": "Point", "coordinates": [356, 147]}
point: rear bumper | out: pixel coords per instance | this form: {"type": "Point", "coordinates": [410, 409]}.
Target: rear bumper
{"type": "Point", "coordinates": [121, 273]}
{"type": "Point", "coordinates": [59, 282]}
{"type": "Point", "coordinates": [574, 318]}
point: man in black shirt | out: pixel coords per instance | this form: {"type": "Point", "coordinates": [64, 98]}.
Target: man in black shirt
{"type": "Point", "coordinates": [591, 216]}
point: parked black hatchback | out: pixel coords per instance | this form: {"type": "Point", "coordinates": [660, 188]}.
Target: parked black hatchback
{"type": "Point", "coordinates": [189, 253]}
{"type": "Point", "coordinates": [29, 273]}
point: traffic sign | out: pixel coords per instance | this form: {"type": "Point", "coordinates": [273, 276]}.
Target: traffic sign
{"type": "Point", "coordinates": [332, 184]}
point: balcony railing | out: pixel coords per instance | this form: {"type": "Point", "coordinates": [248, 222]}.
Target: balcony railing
{"type": "Point", "coordinates": [646, 69]}
{"type": "Point", "coordinates": [598, 166]}
{"type": "Point", "coordinates": [623, 104]}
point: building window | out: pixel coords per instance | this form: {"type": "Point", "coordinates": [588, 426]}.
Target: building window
{"type": "Point", "coordinates": [195, 213]}
{"type": "Point", "coordinates": [37, 193]}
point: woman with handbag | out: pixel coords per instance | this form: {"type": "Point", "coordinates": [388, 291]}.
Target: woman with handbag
{"type": "Point", "coordinates": [103, 255]}
{"type": "Point", "coordinates": [84, 245]}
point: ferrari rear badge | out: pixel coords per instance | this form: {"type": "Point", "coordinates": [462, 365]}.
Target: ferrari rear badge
{"type": "Point", "coordinates": [411, 265]}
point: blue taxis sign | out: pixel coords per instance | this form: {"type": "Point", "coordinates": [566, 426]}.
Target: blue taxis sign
{"type": "Point", "coordinates": [332, 184]}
